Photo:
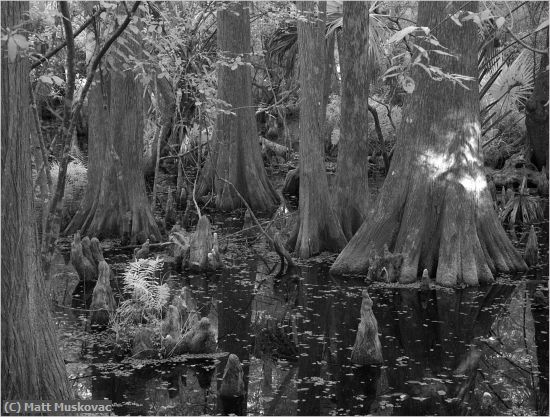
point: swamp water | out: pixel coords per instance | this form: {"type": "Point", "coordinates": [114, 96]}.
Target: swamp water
{"type": "Point", "coordinates": [465, 351]}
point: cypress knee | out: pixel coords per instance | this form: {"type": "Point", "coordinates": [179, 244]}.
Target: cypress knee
{"type": "Point", "coordinates": [367, 349]}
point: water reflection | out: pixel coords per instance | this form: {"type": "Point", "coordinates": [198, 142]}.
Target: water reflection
{"type": "Point", "coordinates": [446, 352]}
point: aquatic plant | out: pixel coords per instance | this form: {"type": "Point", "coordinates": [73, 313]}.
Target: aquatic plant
{"type": "Point", "coordinates": [146, 295]}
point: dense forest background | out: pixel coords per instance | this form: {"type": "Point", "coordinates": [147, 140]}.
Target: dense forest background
{"type": "Point", "coordinates": [410, 139]}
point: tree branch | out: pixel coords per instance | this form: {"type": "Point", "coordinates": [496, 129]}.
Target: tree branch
{"type": "Point", "coordinates": [380, 137]}
{"type": "Point", "coordinates": [276, 240]}
{"type": "Point", "coordinates": [58, 48]}
{"type": "Point", "coordinates": [538, 51]}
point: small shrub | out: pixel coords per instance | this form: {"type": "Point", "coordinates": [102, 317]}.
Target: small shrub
{"type": "Point", "coordinates": [523, 207]}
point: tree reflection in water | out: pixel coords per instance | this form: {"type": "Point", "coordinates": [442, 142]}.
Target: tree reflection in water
{"type": "Point", "coordinates": [470, 351]}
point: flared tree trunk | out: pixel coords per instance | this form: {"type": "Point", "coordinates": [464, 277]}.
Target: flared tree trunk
{"type": "Point", "coordinates": [435, 207]}
{"type": "Point", "coordinates": [236, 156]}
{"type": "Point", "coordinates": [32, 366]}
{"type": "Point", "coordinates": [318, 227]}
{"type": "Point", "coordinates": [536, 119]}
{"type": "Point", "coordinates": [352, 191]}
{"type": "Point", "coordinates": [116, 203]}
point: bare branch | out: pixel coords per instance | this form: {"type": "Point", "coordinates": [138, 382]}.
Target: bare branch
{"type": "Point", "coordinates": [58, 48]}
{"type": "Point", "coordinates": [538, 51]}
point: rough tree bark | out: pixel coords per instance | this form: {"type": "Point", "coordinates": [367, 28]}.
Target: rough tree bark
{"type": "Point", "coordinates": [318, 227]}
{"type": "Point", "coordinates": [536, 119]}
{"type": "Point", "coordinates": [435, 207]}
{"type": "Point", "coordinates": [32, 366]}
{"type": "Point", "coordinates": [115, 202]}
{"type": "Point", "coordinates": [352, 191]}
{"type": "Point", "coordinates": [236, 156]}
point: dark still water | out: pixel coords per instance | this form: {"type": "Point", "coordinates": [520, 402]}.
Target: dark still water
{"type": "Point", "coordinates": [446, 352]}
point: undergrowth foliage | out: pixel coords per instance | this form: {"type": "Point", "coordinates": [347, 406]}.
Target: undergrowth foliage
{"type": "Point", "coordinates": [523, 207]}
{"type": "Point", "coordinates": [146, 295]}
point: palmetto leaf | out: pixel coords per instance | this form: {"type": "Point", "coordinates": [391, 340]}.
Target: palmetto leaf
{"type": "Point", "coordinates": [529, 207]}
{"type": "Point", "coordinates": [512, 86]}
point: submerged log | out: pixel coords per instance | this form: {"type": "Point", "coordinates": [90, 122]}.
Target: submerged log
{"type": "Point", "coordinates": [85, 268]}
{"type": "Point", "coordinates": [204, 252]}
{"type": "Point", "coordinates": [532, 248]}
{"type": "Point", "coordinates": [232, 390]}
{"type": "Point", "coordinates": [367, 349]}
{"type": "Point", "coordinates": [103, 301]}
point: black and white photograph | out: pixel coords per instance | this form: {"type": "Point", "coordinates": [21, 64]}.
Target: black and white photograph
{"type": "Point", "coordinates": [274, 208]}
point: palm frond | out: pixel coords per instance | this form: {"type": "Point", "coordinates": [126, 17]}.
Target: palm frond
{"type": "Point", "coordinates": [514, 84]}
{"type": "Point", "coordinates": [523, 207]}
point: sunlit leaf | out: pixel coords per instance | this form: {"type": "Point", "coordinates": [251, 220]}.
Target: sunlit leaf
{"type": "Point", "coordinates": [21, 41]}
{"type": "Point", "coordinates": [397, 36]}
{"type": "Point", "coordinates": [455, 18]}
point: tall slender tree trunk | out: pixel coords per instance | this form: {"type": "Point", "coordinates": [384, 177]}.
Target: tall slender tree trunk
{"type": "Point", "coordinates": [435, 207]}
{"type": "Point", "coordinates": [32, 366]}
{"type": "Point", "coordinates": [318, 227]}
{"type": "Point", "coordinates": [536, 119]}
{"type": "Point", "coordinates": [116, 203]}
{"type": "Point", "coordinates": [352, 191]}
{"type": "Point", "coordinates": [236, 156]}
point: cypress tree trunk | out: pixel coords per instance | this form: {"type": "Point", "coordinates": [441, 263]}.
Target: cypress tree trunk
{"type": "Point", "coordinates": [352, 189]}
{"type": "Point", "coordinates": [32, 366]}
{"type": "Point", "coordinates": [435, 207]}
{"type": "Point", "coordinates": [318, 228]}
{"type": "Point", "coordinates": [116, 203]}
{"type": "Point", "coordinates": [236, 156]}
